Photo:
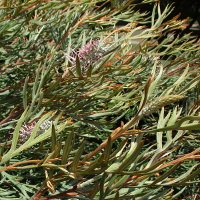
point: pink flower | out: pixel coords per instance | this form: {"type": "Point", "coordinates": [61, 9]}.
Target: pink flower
{"type": "Point", "coordinates": [90, 53]}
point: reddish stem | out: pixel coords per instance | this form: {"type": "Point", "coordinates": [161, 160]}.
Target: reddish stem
{"type": "Point", "coordinates": [12, 114]}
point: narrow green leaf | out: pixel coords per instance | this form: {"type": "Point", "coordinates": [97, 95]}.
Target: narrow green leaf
{"type": "Point", "coordinates": [174, 197]}
{"type": "Point", "coordinates": [53, 138]}
{"type": "Point", "coordinates": [101, 186]}
{"type": "Point", "coordinates": [24, 93]}
{"type": "Point", "coordinates": [107, 151]}
{"type": "Point", "coordinates": [183, 177]}
{"type": "Point", "coordinates": [166, 174]}
{"type": "Point", "coordinates": [77, 157]}
{"type": "Point", "coordinates": [67, 147]}
{"type": "Point", "coordinates": [16, 133]}
{"type": "Point", "coordinates": [132, 154]}
{"type": "Point", "coordinates": [78, 67]}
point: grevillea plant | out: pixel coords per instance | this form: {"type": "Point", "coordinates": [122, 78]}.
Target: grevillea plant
{"type": "Point", "coordinates": [87, 55]}
{"type": "Point", "coordinates": [92, 110]}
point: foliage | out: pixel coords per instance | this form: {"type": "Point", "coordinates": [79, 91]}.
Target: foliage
{"type": "Point", "coordinates": [92, 110]}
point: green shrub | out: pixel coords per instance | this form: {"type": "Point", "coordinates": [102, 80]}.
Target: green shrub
{"type": "Point", "coordinates": [91, 110]}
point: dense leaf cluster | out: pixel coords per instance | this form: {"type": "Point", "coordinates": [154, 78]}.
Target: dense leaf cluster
{"type": "Point", "coordinates": [94, 110]}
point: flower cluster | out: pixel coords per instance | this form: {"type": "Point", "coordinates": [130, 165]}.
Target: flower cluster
{"type": "Point", "coordinates": [159, 103]}
{"type": "Point", "coordinates": [90, 53]}
{"type": "Point", "coordinates": [26, 130]}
